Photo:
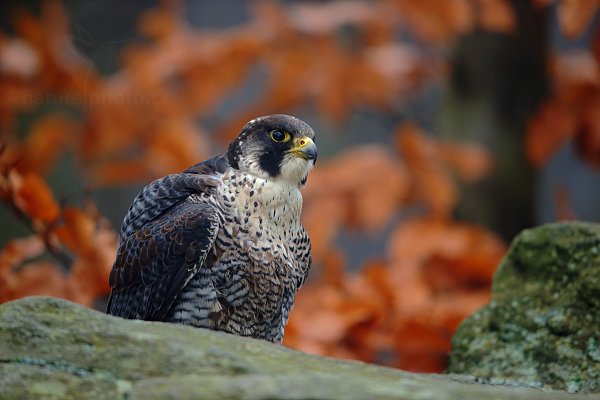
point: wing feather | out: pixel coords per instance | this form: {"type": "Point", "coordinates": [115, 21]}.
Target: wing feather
{"type": "Point", "coordinates": [162, 194]}
{"type": "Point", "coordinates": [156, 261]}
{"type": "Point", "coordinates": [164, 241]}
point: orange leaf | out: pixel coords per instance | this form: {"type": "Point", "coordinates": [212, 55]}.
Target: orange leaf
{"type": "Point", "coordinates": [325, 18]}
{"type": "Point", "coordinates": [158, 24]}
{"type": "Point", "coordinates": [430, 181]}
{"type": "Point", "coordinates": [77, 233]}
{"type": "Point", "coordinates": [19, 250]}
{"type": "Point", "coordinates": [575, 73]}
{"type": "Point", "coordinates": [574, 16]}
{"type": "Point", "coordinates": [89, 274]}
{"type": "Point", "coordinates": [443, 255]}
{"type": "Point", "coordinates": [34, 197]}
{"type": "Point", "coordinates": [421, 348]}
{"type": "Point", "coordinates": [119, 172]}
{"type": "Point", "coordinates": [331, 210]}
{"type": "Point", "coordinates": [173, 147]}
{"type": "Point", "coordinates": [333, 268]}
{"type": "Point", "coordinates": [325, 326]}
{"type": "Point", "coordinates": [470, 161]}
{"type": "Point", "coordinates": [497, 15]}
{"type": "Point", "coordinates": [17, 57]}
{"type": "Point", "coordinates": [41, 279]}
{"type": "Point", "coordinates": [49, 137]}
{"type": "Point", "coordinates": [341, 180]}
{"type": "Point", "coordinates": [435, 20]}
{"type": "Point", "coordinates": [95, 243]}
{"type": "Point", "coordinates": [551, 126]}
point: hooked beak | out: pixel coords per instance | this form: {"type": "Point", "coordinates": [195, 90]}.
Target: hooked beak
{"type": "Point", "coordinates": [305, 148]}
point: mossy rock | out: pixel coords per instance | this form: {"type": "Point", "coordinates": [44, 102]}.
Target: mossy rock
{"type": "Point", "coordinates": [542, 325]}
{"type": "Point", "coordinates": [55, 349]}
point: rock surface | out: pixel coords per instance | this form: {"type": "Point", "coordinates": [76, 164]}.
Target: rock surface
{"type": "Point", "coordinates": [54, 349]}
{"type": "Point", "coordinates": [542, 325]}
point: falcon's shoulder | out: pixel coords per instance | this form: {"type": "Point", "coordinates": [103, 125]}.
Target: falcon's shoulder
{"type": "Point", "coordinates": [165, 239]}
{"type": "Point", "coordinates": [216, 165]}
{"type": "Point", "coordinates": [162, 194]}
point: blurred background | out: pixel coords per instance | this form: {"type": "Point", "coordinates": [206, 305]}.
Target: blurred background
{"type": "Point", "coordinates": [444, 128]}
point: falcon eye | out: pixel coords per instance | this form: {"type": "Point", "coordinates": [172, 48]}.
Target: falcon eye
{"type": "Point", "coordinates": [279, 136]}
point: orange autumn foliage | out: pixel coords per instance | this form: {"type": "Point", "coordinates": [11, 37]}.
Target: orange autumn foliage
{"type": "Point", "coordinates": [46, 141]}
{"type": "Point", "coordinates": [574, 16]}
{"type": "Point", "coordinates": [78, 236]}
{"type": "Point", "coordinates": [399, 308]}
{"type": "Point", "coordinates": [32, 196]}
{"type": "Point", "coordinates": [572, 112]}
{"type": "Point", "coordinates": [402, 309]}
{"type": "Point", "coordinates": [441, 21]}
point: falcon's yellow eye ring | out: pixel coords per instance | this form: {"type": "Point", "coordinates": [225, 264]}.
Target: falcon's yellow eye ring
{"type": "Point", "coordinates": [279, 136]}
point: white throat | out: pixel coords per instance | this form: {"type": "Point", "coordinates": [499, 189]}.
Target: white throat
{"type": "Point", "coordinates": [278, 199]}
{"type": "Point", "coordinates": [295, 169]}
{"type": "Point", "coordinates": [281, 199]}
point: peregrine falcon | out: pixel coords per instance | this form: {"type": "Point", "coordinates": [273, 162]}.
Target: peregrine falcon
{"type": "Point", "coordinates": [220, 245]}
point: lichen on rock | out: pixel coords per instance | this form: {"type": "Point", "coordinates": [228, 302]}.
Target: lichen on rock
{"type": "Point", "coordinates": [55, 349]}
{"type": "Point", "coordinates": [542, 324]}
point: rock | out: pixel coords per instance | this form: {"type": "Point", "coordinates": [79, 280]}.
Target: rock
{"type": "Point", "coordinates": [54, 349]}
{"type": "Point", "coordinates": [542, 325]}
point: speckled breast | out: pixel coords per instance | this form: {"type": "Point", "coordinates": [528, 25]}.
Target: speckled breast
{"type": "Point", "coordinates": [257, 270]}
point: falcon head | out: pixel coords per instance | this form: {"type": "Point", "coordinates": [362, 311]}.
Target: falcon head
{"type": "Point", "coordinates": [275, 147]}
